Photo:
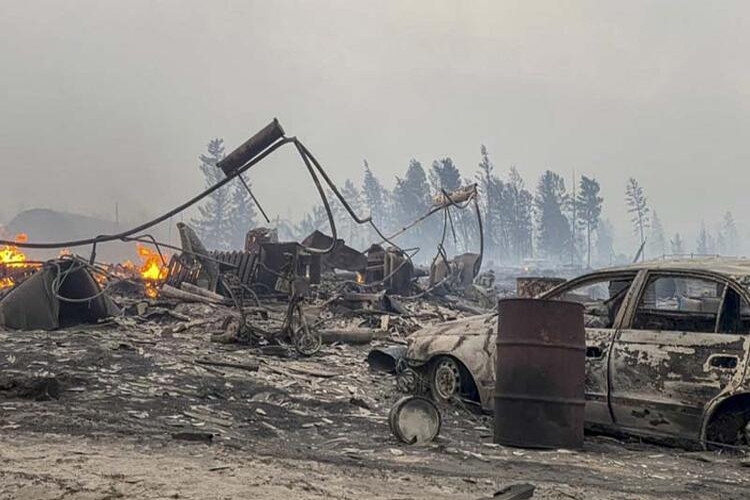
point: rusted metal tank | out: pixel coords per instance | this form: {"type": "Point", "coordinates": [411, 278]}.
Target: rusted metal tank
{"type": "Point", "coordinates": [251, 147]}
{"type": "Point", "coordinates": [539, 383]}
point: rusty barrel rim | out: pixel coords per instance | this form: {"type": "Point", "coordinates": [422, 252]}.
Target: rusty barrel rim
{"type": "Point", "coordinates": [425, 404]}
{"type": "Point", "coordinates": [537, 301]}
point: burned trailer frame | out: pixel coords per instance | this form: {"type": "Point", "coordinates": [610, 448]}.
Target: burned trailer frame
{"type": "Point", "coordinates": [680, 386]}
{"type": "Point", "coordinates": [342, 257]}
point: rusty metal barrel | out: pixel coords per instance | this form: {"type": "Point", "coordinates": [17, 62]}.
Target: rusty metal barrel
{"type": "Point", "coordinates": [540, 374]}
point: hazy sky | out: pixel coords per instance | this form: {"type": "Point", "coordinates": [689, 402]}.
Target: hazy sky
{"type": "Point", "coordinates": [104, 101]}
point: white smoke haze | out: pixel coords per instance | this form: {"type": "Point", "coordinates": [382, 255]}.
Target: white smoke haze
{"type": "Point", "coordinates": [106, 103]}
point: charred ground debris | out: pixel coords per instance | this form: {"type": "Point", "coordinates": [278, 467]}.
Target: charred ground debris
{"type": "Point", "coordinates": [287, 343]}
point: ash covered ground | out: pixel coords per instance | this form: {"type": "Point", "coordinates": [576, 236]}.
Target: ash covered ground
{"type": "Point", "coordinates": [142, 407]}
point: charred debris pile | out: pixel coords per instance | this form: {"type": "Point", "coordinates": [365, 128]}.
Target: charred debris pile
{"type": "Point", "coordinates": [271, 294]}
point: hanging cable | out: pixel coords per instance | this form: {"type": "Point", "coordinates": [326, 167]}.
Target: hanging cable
{"type": "Point", "coordinates": [312, 166]}
{"type": "Point", "coordinates": [147, 225]}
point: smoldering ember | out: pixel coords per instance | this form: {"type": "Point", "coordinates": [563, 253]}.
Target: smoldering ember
{"type": "Point", "coordinates": [461, 333]}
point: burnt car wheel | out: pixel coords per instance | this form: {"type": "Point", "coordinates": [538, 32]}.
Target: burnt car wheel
{"type": "Point", "coordinates": [445, 379]}
{"type": "Point", "coordinates": [730, 427]}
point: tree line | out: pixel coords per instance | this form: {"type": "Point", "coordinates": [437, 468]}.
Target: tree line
{"type": "Point", "coordinates": [547, 222]}
{"type": "Point", "coordinates": [722, 240]}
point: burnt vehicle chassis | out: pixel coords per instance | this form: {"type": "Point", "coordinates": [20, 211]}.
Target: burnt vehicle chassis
{"type": "Point", "coordinates": [686, 381]}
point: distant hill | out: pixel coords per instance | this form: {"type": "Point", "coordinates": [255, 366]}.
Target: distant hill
{"type": "Point", "coordinates": [44, 225]}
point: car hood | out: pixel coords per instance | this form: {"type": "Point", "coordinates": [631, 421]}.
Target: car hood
{"type": "Point", "coordinates": [473, 325]}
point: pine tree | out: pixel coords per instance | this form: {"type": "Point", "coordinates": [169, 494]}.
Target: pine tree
{"type": "Point", "coordinates": [487, 184]}
{"type": "Point", "coordinates": [702, 244]}
{"type": "Point", "coordinates": [351, 231]}
{"type": "Point", "coordinates": [340, 217]}
{"type": "Point", "coordinates": [444, 175]}
{"type": "Point", "coordinates": [575, 223]}
{"type": "Point", "coordinates": [411, 200]}
{"type": "Point", "coordinates": [710, 245]}
{"type": "Point", "coordinates": [554, 232]}
{"type": "Point", "coordinates": [375, 198]}
{"type": "Point", "coordinates": [605, 242]}
{"type": "Point", "coordinates": [213, 225]}
{"type": "Point", "coordinates": [517, 204]}
{"type": "Point", "coordinates": [241, 216]}
{"type": "Point", "coordinates": [721, 242]}
{"type": "Point", "coordinates": [730, 234]}
{"type": "Point", "coordinates": [638, 209]}
{"type": "Point", "coordinates": [589, 210]}
{"type": "Point", "coordinates": [657, 240]}
{"type": "Point", "coordinates": [317, 218]}
{"type": "Point", "coordinates": [678, 248]}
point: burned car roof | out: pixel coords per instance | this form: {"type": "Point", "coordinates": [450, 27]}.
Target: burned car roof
{"type": "Point", "coordinates": [737, 268]}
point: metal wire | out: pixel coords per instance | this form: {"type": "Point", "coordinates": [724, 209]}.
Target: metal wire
{"type": "Point", "coordinates": [147, 225]}
{"type": "Point", "coordinates": [61, 275]}
{"type": "Point", "coordinates": [312, 166]}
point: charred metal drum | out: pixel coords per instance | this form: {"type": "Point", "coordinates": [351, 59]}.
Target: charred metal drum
{"type": "Point", "coordinates": [414, 419]}
{"type": "Point", "coordinates": [540, 374]}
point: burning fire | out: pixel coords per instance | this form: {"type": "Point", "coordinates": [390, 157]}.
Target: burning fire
{"type": "Point", "coordinates": [152, 270]}
{"type": "Point", "coordinates": [11, 257]}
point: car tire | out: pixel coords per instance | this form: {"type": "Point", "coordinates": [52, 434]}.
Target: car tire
{"type": "Point", "coordinates": [731, 427]}
{"type": "Point", "coordinates": [445, 379]}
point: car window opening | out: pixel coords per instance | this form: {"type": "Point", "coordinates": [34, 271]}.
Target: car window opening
{"type": "Point", "coordinates": [688, 304]}
{"type": "Point", "coordinates": [601, 300]}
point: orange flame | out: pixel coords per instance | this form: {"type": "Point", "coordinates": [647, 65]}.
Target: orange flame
{"type": "Point", "coordinates": [152, 270]}
{"type": "Point", "coordinates": [13, 258]}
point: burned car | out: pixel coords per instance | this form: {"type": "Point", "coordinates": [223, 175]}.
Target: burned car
{"type": "Point", "coordinates": [667, 346]}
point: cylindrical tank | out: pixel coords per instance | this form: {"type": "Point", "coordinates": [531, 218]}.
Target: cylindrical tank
{"type": "Point", "coordinates": [540, 374]}
{"type": "Point", "coordinates": [251, 147]}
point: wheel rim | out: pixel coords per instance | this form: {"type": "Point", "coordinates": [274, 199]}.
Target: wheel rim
{"type": "Point", "coordinates": [308, 344]}
{"type": "Point", "coordinates": [447, 379]}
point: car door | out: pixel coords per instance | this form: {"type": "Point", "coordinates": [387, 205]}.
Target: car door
{"type": "Point", "coordinates": [602, 296]}
{"type": "Point", "coordinates": [682, 345]}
